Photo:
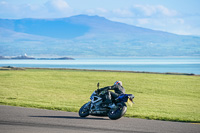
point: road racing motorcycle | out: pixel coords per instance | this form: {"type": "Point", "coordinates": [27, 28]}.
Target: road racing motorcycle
{"type": "Point", "coordinates": [97, 107]}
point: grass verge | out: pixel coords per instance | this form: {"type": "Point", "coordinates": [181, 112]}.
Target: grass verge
{"type": "Point", "coordinates": [157, 96]}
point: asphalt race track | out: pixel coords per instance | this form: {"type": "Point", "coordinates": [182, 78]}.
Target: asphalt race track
{"type": "Point", "coordinates": [28, 120]}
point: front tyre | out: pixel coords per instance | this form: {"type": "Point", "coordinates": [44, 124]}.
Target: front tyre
{"type": "Point", "coordinates": [84, 110]}
{"type": "Point", "coordinates": [117, 112]}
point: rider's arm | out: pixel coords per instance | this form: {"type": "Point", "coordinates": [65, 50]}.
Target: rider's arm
{"type": "Point", "coordinates": [107, 88]}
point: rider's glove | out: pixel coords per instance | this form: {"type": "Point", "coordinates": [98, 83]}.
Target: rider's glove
{"type": "Point", "coordinates": [97, 91]}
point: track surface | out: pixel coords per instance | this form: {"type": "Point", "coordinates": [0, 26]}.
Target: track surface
{"type": "Point", "coordinates": [28, 120]}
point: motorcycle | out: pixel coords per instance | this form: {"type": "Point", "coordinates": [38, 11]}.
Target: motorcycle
{"type": "Point", "coordinates": [97, 107]}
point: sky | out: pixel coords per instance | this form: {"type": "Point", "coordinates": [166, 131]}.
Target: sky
{"type": "Point", "coordinates": [174, 16]}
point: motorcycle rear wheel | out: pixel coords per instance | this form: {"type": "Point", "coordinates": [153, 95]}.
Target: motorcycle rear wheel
{"type": "Point", "coordinates": [117, 113]}
{"type": "Point", "coordinates": [84, 110]}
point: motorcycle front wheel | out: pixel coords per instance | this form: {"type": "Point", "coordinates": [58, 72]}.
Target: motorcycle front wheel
{"type": "Point", "coordinates": [117, 112]}
{"type": "Point", "coordinates": [84, 110]}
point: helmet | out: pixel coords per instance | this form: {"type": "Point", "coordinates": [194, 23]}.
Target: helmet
{"type": "Point", "coordinates": [118, 83]}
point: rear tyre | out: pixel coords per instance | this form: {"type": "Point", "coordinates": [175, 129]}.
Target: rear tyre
{"type": "Point", "coordinates": [117, 112]}
{"type": "Point", "coordinates": [84, 110]}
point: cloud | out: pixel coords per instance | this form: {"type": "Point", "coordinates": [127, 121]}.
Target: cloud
{"type": "Point", "coordinates": [154, 10]}
{"type": "Point", "coordinates": [3, 2]}
{"type": "Point", "coordinates": [97, 11]}
{"type": "Point", "coordinates": [156, 17]}
{"type": "Point", "coordinates": [7, 9]}
{"type": "Point", "coordinates": [50, 9]}
{"type": "Point", "coordinates": [58, 9]}
{"type": "Point", "coordinates": [140, 12]}
{"type": "Point", "coordinates": [165, 11]}
{"type": "Point", "coordinates": [143, 21]}
{"type": "Point", "coordinates": [122, 12]}
{"type": "Point", "coordinates": [57, 5]}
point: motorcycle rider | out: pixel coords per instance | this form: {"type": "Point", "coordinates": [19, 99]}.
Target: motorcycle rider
{"type": "Point", "coordinates": [109, 96]}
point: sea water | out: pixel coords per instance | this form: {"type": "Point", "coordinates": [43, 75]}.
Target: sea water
{"type": "Point", "coordinates": [151, 64]}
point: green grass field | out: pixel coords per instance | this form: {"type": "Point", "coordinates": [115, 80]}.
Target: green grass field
{"type": "Point", "coordinates": [157, 96]}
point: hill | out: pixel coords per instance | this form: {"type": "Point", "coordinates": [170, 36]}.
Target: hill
{"type": "Point", "coordinates": [87, 36]}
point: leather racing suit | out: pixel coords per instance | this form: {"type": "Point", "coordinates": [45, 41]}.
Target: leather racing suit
{"type": "Point", "coordinates": [110, 96]}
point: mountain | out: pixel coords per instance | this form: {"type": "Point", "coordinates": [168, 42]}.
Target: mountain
{"type": "Point", "coordinates": [88, 36]}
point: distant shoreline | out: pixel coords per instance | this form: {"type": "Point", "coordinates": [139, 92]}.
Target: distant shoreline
{"type": "Point", "coordinates": [24, 57]}
{"type": "Point", "coordinates": [166, 73]}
